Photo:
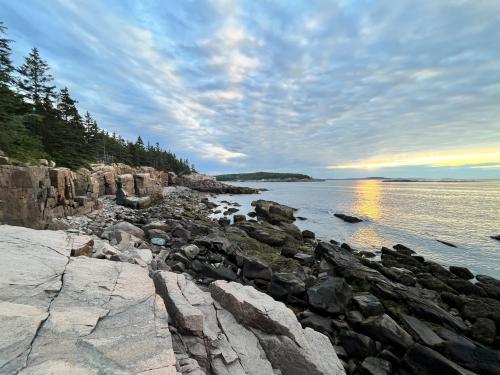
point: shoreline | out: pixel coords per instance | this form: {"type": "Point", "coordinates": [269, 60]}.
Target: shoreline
{"type": "Point", "coordinates": [417, 298]}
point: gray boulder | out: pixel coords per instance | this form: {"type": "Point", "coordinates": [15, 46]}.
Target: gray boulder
{"type": "Point", "coordinates": [331, 294]}
{"type": "Point", "coordinates": [383, 328]}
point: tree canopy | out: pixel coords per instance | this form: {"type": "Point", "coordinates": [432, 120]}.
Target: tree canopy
{"type": "Point", "coordinates": [36, 122]}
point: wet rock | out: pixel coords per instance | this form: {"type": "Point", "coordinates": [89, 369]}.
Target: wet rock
{"type": "Point", "coordinates": [273, 212]}
{"type": "Point", "coordinates": [403, 249]}
{"type": "Point", "coordinates": [461, 272]}
{"type": "Point", "coordinates": [447, 243]}
{"type": "Point", "coordinates": [422, 360]}
{"type": "Point", "coordinates": [354, 317]}
{"type": "Point", "coordinates": [488, 280]}
{"type": "Point", "coordinates": [386, 330]}
{"type": "Point", "coordinates": [330, 294]}
{"type": "Point", "coordinates": [347, 218]}
{"type": "Point", "coordinates": [475, 308]}
{"type": "Point", "coordinates": [375, 366]}
{"type": "Point", "coordinates": [369, 304]}
{"type": "Point", "coordinates": [239, 218]}
{"type": "Point", "coordinates": [484, 331]}
{"type": "Point", "coordinates": [465, 287]}
{"type": "Point", "coordinates": [318, 323]}
{"type": "Point", "coordinates": [285, 284]}
{"type": "Point", "coordinates": [307, 234]}
{"type": "Point", "coordinates": [491, 290]}
{"type": "Point", "coordinates": [181, 232]}
{"type": "Point", "coordinates": [288, 252]}
{"type": "Point", "coordinates": [469, 355]}
{"type": "Point", "coordinates": [496, 237]}
{"type": "Point", "coordinates": [221, 272]}
{"type": "Point", "coordinates": [428, 281]}
{"type": "Point", "coordinates": [357, 345]}
{"type": "Point", "coordinates": [256, 269]}
{"type": "Point", "coordinates": [305, 259]}
{"type": "Point", "coordinates": [223, 221]}
{"type": "Point", "coordinates": [420, 331]}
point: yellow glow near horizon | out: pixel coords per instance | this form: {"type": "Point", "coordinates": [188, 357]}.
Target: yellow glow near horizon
{"type": "Point", "coordinates": [434, 160]}
{"type": "Point", "coordinates": [368, 198]}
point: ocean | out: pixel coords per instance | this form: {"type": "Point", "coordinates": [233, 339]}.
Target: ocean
{"type": "Point", "coordinates": [416, 214]}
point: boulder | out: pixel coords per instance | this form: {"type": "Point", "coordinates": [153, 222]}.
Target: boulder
{"type": "Point", "coordinates": [81, 245]}
{"type": "Point", "coordinates": [220, 272]}
{"type": "Point", "coordinates": [330, 294]}
{"type": "Point", "coordinates": [357, 345]}
{"type": "Point", "coordinates": [303, 258]}
{"type": "Point", "coordinates": [318, 323]}
{"type": "Point", "coordinates": [461, 272]}
{"type": "Point", "coordinates": [422, 360]}
{"type": "Point", "coordinates": [273, 212]}
{"type": "Point", "coordinates": [307, 234]}
{"type": "Point", "coordinates": [285, 284]}
{"type": "Point", "coordinates": [125, 227]}
{"type": "Point", "coordinates": [126, 182]}
{"type": "Point", "coordinates": [256, 269]}
{"type": "Point", "coordinates": [468, 354]}
{"type": "Point", "coordinates": [369, 304]}
{"type": "Point", "coordinates": [293, 350]}
{"type": "Point", "coordinates": [190, 251]}
{"type": "Point", "coordinates": [347, 218]}
{"type": "Point", "coordinates": [421, 331]}
{"type": "Point", "coordinates": [385, 329]}
{"type": "Point", "coordinates": [187, 317]}
{"type": "Point", "coordinates": [239, 218]}
{"type": "Point", "coordinates": [403, 249]}
{"type": "Point", "coordinates": [375, 366]}
{"type": "Point", "coordinates": [484, 331]}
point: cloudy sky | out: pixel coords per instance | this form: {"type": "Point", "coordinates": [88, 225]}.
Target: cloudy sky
{"type": "Point", "coordinates": [330, 88]}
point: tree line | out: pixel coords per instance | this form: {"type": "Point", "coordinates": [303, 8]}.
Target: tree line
{"type": "Point", "coordinates": [38, 121]}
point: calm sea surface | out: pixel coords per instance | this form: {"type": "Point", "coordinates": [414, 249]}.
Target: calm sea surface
{"type": "Point", "coordinates": [415, 214]}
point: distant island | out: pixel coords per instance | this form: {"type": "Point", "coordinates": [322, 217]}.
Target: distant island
{"type": "Point", "coordinates": [266, 176]}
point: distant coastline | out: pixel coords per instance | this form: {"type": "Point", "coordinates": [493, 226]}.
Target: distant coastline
{"type": "Point", "coordinates": [266, 177]}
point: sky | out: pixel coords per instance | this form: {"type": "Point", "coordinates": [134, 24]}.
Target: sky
{"type": "Point", "coordinates": [396, 88]}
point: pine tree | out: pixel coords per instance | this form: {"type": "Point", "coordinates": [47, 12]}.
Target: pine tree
{"type": "Point", "coordinates": [66, 107]}
{"type": "Point", "coordinates": [35, 80]}
{"type": "Point", "coordinates": [6, 67]}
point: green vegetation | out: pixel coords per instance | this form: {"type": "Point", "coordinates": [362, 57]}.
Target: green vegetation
{"type": "Point", "coordinates": [262, 176]}
{"type": "Point", "coordinates": [38, 122]}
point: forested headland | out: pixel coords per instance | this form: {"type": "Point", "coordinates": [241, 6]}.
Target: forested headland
{"type": "Point", "coordinates": [37, 120]}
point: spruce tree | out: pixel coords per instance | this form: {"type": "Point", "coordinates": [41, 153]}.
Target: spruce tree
{"type": "Point", "coordinates": [35, 80]}
{"type": "Point", "coordinates": [6, 67]}
{"type": "Point", "coordinates": [66, 106]}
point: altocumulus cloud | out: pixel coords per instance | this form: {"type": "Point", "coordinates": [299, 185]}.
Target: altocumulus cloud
{"type": "Point", "coordinates": [280, 85]}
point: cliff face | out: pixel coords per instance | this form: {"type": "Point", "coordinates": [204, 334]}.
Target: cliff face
{"type": "Point", "coordinates": [32, 196]}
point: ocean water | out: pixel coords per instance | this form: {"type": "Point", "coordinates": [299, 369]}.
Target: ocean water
{"type": "Point", "coordinates": [416, 214]}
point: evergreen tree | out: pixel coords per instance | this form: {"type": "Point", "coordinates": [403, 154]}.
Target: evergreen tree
{"type": "Point", "coordinates": [66, 106]}
{"type": "Point", "coordinates": [35, 80]}
{"type": "Point", "coordinates": [6, 67]}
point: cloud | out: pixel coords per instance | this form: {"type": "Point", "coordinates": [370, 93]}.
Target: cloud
{"type": "Point", "coordinates": [295, 86]}
{"type": "Point", "coordinates": [220, 154]}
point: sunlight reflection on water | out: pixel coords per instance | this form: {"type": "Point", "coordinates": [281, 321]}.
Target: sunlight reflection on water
{"type": "Point", "coordinates": [413, 213]}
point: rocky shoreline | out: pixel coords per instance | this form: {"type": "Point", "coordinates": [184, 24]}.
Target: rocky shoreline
{"type": "Point", "coordinates": [221, 283]}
